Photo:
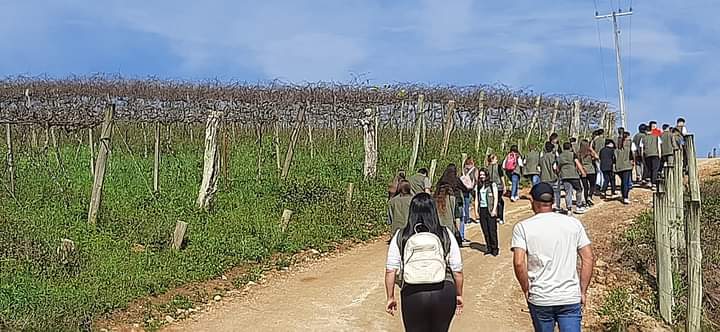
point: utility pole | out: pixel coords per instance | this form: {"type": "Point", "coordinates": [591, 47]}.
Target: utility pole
{"type": "Point", "coordinates": [621, 85]}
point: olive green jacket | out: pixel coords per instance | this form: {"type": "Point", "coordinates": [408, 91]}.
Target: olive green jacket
{"type": "Point", "coordinates": [398, 211]}
{"type": "Point", "coordinates": [532, 163]}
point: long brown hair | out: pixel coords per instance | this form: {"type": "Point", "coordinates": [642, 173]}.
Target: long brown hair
{"type": "Point", "coordinates": [584, 149]}
{"type": "Point", "coordinates": [441, 194]}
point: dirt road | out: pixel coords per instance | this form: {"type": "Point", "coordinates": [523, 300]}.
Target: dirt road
{"type": "Point", "coordinates": [346, 293]}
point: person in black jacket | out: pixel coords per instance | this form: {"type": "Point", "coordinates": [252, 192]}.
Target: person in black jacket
{"type": "Point", "coordinates": [607, 166]}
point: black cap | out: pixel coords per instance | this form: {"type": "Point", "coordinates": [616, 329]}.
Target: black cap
{"type": "Point", "coordinates": [542, 192]}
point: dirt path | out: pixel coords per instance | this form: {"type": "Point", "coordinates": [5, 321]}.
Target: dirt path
{"type": "Point", "coordinates": [346, 293]}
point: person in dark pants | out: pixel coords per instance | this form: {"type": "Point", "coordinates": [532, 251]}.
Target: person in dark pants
{"type": "Point", "coordinates": [638, 153]}
{"type": "Point", "coordinates": [624, 166]}
{"type": "Point", "coordinates": [425, 307]}
{"type": "Point", "coordinates": [495, 173]}
{"type": "Point", "coordinates": [487, 209]}
{"type": "Point", "coordinates": [652, 151]}
{"type": "Point", "coordinates": [607, 166]}
{"type": "Point", "coordinates": [587, 157]}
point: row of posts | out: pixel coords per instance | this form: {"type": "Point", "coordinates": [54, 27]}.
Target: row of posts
{"type": "Point", "coordinates": [677, 230]}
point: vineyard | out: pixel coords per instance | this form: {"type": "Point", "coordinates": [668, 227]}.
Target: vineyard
{"type": "Point", "coordinates": [115, 189]}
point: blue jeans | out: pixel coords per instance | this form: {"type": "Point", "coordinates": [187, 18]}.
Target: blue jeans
{"type": "Point", "coordinates": [534, 179]}
{"type": "Point", "coordinates": [625, 183]}
{"type": "Point", "coordinates": [567, 317]}
{"type": "Point", "coordinates": [467, 197]}
{"type": "Point", "coordinates": [515, 179]}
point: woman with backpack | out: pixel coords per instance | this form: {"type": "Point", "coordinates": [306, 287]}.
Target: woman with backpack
{"type": "Point", "coordinates": [495, 174]}
{"type": "Point", "coordinates": [429, 300]}
{"type": "Point", "coordinates": [487, 193]}
{"type": "Point", "coordinates": [469, 181]}
{"type": "Point", "coordinates": [512, 166]}
{"type": "Point", "coordinates": [448, 198]}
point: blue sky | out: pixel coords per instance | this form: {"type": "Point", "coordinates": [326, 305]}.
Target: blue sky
{"type": "Point", "coordinates": [669, 49]}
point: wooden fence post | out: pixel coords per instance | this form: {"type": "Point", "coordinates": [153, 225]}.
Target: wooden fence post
{"type": "Point", "coordinates": [293, 141]}
{"type": "Point", "coordinates": [102, 158]}
{"type": "Point", "coordinates": [285, 220]}
{"type": "Point", "coordinates": [371, 153]}
{"type": "Point", "coordinates": [419, 115]}
{"type": "Point", "coordinates": [448, 128]}
{"type": "Point", "coordinates": [179, 234]}
{"type": "Point", "coordinates": [534, 120]}
{"type": "Point", "coordinates": [10, 157]}
{"type": "Point", "coordinates": [156, 160]}
{"type": "Point", "coordinates": [276, 143]}
{"type": "Point", "coordinates": [349, 193]}
{"type": "Point", "coordinates": [694, 248]}
{"type": "Point", "coordinates": [258, 133]}
{"type": "Point", "coordinates": [480, 122]}
{"type": "Point", "coordinates": [463, 157]}
{"type": "Point", "coordinates": [433, 166]}
{"type": "Point", "coordinates": [91, 144]}
{"type": "Point", "coordinates": [211, 158]}
{"type": "Point", "coordinates": [679, 186]}
{"type": "Point", "coordinates": [553, 120]}
{"type": "Point", "coordinates": [664, 253]}
{"type": "Point", "coordinates": [510, 125]}
{"type": "Point", "coordinates": [575, 120]}
{"type": "Point", "coordinates": [310, 141]}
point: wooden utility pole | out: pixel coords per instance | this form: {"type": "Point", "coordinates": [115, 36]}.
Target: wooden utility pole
{"type": "Point", "coordinates": [480, 121]}
{"type": "Point", "coordinates": [419, 115]}
{"type": "Point", "coordinates": [694, 247]}
{"type": "Point", "coordinates": [104, 151]}
{"type": "Point", "coordinates": [449, 124]}
{"type": "Point", "coordinates": [211, 159]}
{"type": "Point", "coordinates": [293, 141]}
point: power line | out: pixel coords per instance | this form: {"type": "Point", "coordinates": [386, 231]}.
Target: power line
{"type": "Point", "coordinates": [600, 49]}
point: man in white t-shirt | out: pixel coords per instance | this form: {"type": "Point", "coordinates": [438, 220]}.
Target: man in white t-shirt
{"type": "Point", "coordinates": [545, 250]}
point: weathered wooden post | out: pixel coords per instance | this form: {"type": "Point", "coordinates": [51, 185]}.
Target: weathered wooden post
{"type": "Point", "coordinates": [179, 234]}
{"type": "Point", "coordinates": [276, 143]}
{"type": "Point", "coordinates": [664, 253]}
{"type": "Point", "coordinates": [431, 173]}
{"type": "Point", "coordinates": [310, 142]}
{"type": "Point", "coordinates": [694, 248]}
{"type": "Point", "coordinates": [102, 158]}
{"type": "Point", "coordinates": [349, 193]}
{"type": "Point", "coordinates": [510, 125]}
{"type": "Point", "coordinates": [211, 158]}
{"type": "Point", "coordinates": [10, 157]}
{"type": "Point", "coordinates": [285, 220]}
{"type": "Point", "coordinates": [448, 128]}
{"type": "Point", "coordinates": [156, 160]}
{"type": "Point", "coordinates": [258, 134]}
{"type": "Point", "coordinates": [480, 121]}
{"type": "Point", "coordinates": [293, 141]}
{"type": "Point", "coordinates": [679, 185]}
{"type": "Point", "coordinates": [534, 120]}
{"type": "Point", "coordinates": [419, 115]}
{"type": "Point", "coordinates": [91, 144]}
{"type": "Point", "coordinates": [575, 120]}
{"type": "Point", "coordinates": [463, 158]}
{"type": "Point", "coordinates": [369, 141]}
{"type": "Point", "coordinates": [553, 120]}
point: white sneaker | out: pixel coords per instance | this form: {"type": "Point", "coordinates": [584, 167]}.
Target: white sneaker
{"type": "Point", "coordinates": [501, 222]}
{"type": "Point", "coordinates": [626, 201]}
{"type": "Point", "coordinates": [580, 210]}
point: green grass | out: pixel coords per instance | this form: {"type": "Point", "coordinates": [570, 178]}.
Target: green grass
{"type": "Point", "coordinates": [38, 292]}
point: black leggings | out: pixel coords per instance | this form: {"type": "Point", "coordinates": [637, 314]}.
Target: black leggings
{"type": "Point", "coordinates": [428, 307]}
{"type": "Point", "coordinates": [501, 205]}
{"type": "Point", "coordinates": [589, 185]}
{"type": "Point", "coordinates": [489, 229]}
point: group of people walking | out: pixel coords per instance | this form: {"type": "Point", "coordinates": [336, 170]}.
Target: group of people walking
{"type": "Point", "coordinates": [429, 226]}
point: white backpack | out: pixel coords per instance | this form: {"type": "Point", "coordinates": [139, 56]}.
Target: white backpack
{"type": "Point", "coordinates": [423, 259]}
{"type": "Point", "coordinates": [467, 180]}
